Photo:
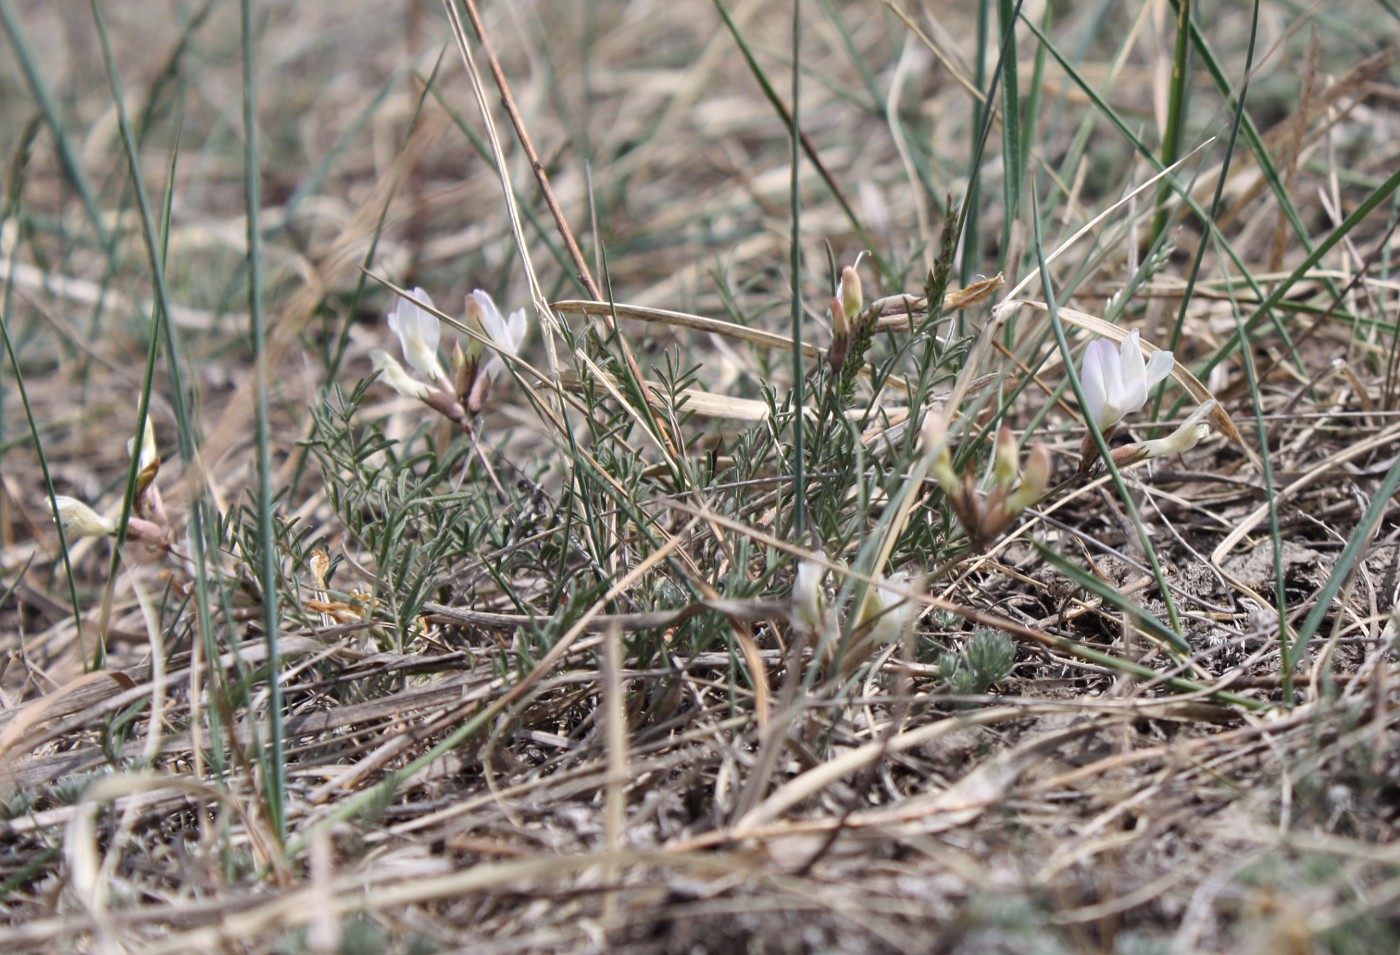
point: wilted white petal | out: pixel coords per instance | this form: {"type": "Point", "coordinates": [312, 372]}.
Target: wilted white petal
{"type": "Point", "coordinates": [933, 431]}
{"type": "Point", "coordinates": [1192, 431]}
{"type": "Point", "coordinates": [418, 331]}
{"type": "Point", "coordinates": [394, 375]}
{"type": "Point", "coordinates": [82, 521]}
{"type": "Point", "coordinates": [809, 596]}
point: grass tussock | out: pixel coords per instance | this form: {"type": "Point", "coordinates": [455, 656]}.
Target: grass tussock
{"type": "Point", "coordinates": [838, 477]}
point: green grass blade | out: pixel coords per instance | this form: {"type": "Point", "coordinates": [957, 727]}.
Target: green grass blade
{"type": "Point", "coordinates": [1184, 192]}
{"type": "Point", "coordinates": [1346, 563]}
{"type": "Point", "coordinates": [1217, 200]}
{"type": "Point", "coordinates": [1272, 301]}
{"type": "Point", "coordinates": [1011, 155]}
{"type": "Point", "coordinates": [274, 757]}
{"type": "Point", "coordinates": [8, 342]}
{"type": "Point", "coordinates": [1177, 105]}
{"type": "Point", "coordinates": [808, 150]}
{"type": "Point", "coordinates": [799, 371]}
{"type": "Point", "coordinates": [182, 397]}
{"type": "Point", "coordinates": [969, 226]}
{"type": "Point", "coordinates": [1178, 642]}
{"type": "Point", "coordinates": [53, 116]}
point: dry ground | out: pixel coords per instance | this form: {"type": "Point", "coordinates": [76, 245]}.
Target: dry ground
{"type": "Point", "coordinates": [546, 697]}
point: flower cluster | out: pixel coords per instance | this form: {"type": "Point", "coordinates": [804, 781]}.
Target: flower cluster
{"type": "Point", "coordinates": [419, 332]}
{"type": "Point", "coordinates": [853, 329]}
{"type": "Point", "coordinates": [986, 517]}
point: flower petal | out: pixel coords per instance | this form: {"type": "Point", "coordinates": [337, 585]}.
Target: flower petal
{"type": "Point", "coordinates": [394, 375]}
{"type": "Point", "coordinates": [491, 322]}
{"type": "Point", "coordinates": [429, 328]}
{"type": "Point", "coordinates": [1091, 376]}
{"type": "Point", "coordinates": [505, 336]}
{"type": "Point", "coordinates": [515, 329]}
{"type": "Point", "coordinates": [419, 332]}
{"type": "Point", "coordinates": [809, 595]}
{"type": "Point", "coordinates": [1159, 366]}
{"type": "Point", "coordinates": [1132, 391]}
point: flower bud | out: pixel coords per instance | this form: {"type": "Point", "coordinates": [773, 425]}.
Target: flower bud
{"type": "Point", "coordinates": [933, 431]}
{"type": "Point", "coordinates": [1034, 480]}
{"type": "Point", "coordinates": [1006, 460]}
{"type": "Point", "coordinates": [849, 292]}
{"type": "Point", "coordinates": [840, 335]}
{"type": "Point", "coordinates": [150, 457]}
{"type": "Point", "coordinates": [476, 321]}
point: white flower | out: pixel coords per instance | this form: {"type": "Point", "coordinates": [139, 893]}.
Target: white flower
{"type": "Point", "coordinates": [82, 521]}
{"type": "Point", "coordinates": [1184, 438]}
{"type": "Point", "coordinates": [890, 610]}
{"type": "Point", "coordinates": [393, 373]}
{"type": "Point", "coordinates": [1116, 383]}
{"type": "Point", "coordinates": [504, 335]}
{"type": "Point", "coordinates": [809, 596]}
{"type": "Point", "coordinates": [418, 331]}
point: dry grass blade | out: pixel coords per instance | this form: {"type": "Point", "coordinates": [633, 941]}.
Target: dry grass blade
{"type": "Point", "coordinates": [1328, 464]}
{"type": "Point", "coordinates": [75, 695]}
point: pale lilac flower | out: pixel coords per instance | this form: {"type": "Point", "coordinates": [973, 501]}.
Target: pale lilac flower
{"type": "Point", "coordinates": [505, 335]}
{"type": "Point", "coordinates": [418, 331]}
{"type": "Point", "coordinates": [1116, 383]}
